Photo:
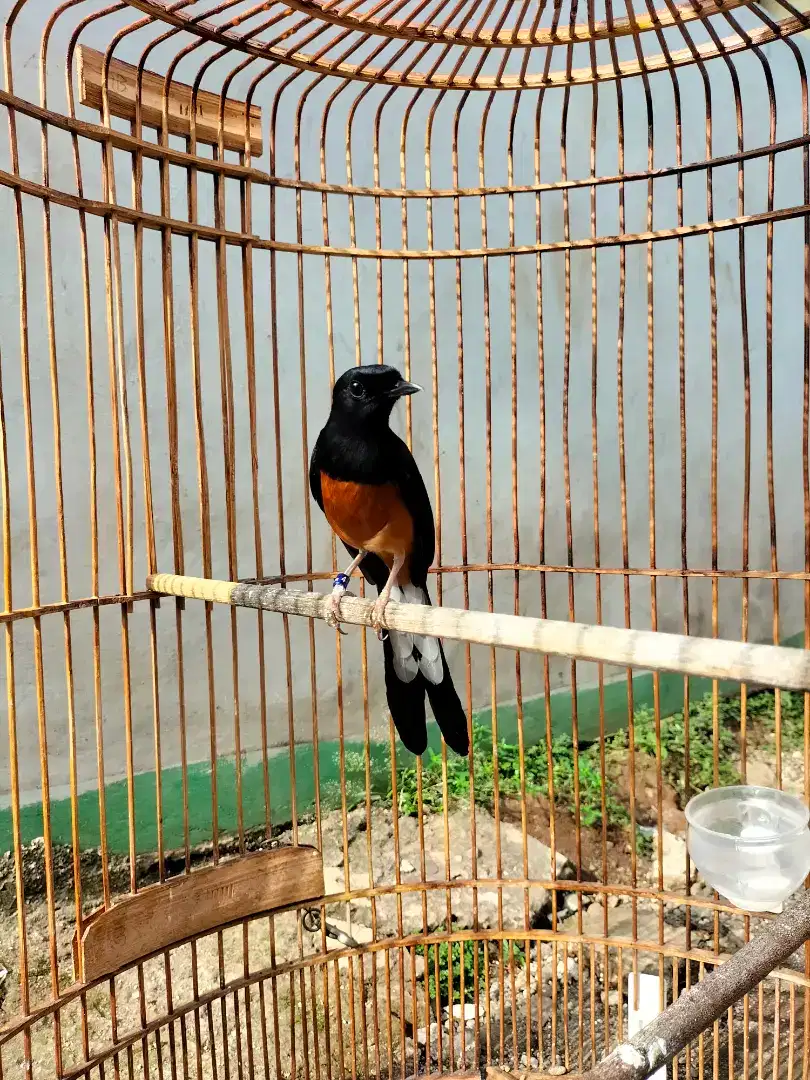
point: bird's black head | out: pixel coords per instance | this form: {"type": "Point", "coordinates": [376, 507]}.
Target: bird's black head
{"type": "Point", "coordinates": [368, 394]}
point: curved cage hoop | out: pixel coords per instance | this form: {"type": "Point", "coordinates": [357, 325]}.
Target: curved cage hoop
{"type": "Point", "coordinates": [584, 231]}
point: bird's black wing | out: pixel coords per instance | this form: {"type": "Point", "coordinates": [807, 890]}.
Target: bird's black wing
{"type": "Point", "coordinates": [372, 567]}
{"type": "Point", "coordinates": [408, 480]}
{"type": "Point", "coordinates": [315, 475]}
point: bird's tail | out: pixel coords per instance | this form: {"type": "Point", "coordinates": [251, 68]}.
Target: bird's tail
{"type": "Point", "coordinates": [416, 665]}
{"type": "Point", "coordinates": [448, 710]}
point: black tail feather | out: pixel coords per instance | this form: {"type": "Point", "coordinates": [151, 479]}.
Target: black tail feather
{"type": "Point", "coordinates": [407, 704]}
{"type": "Point", "coordinates": [449, 712]}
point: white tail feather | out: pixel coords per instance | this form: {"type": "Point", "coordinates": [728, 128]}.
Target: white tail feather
{"type": "Point", "coordinates": [406, 667]}
{"type": "Point", "coordinates": [405, 664]}
{"type": "Point", "coordinates": [430, 656]}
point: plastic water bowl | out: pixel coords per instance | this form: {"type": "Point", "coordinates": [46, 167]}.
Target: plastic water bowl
{"type": "Point", "coordinates": [751, 844]}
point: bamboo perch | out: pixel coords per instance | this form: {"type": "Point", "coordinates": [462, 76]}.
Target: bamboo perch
{"type": "Point", "coordinates": [764, 665]}
{"type": "Point", "coordinates": [709, 1000]}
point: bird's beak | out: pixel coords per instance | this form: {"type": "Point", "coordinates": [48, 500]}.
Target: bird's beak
{"type": "Point", "coordinates": [404, 389]}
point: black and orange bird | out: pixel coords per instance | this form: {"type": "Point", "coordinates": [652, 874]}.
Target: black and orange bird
{"type": "Point", "coordinates": [364, 478]}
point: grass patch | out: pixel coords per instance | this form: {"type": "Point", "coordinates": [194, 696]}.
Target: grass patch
{"type": "Point", "coordinates": [644, 844]}
{"type": "Point", "coordinates": [505, 763]}
{"type": "Point", "coordinates": [672, 739]}
{"type": "Point", "coordinates": [687, 766]}
{"type": "Point", "coordinates": [762, 716]}
{"type": "Point", "coordinates": [451, 956]}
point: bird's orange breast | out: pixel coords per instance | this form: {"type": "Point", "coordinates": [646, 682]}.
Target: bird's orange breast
{"type": "Point", "coordinates": [369, 516]}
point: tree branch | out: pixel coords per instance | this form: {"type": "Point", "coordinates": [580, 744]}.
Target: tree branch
{"type": "Point", "coordinates": [698, 1008]}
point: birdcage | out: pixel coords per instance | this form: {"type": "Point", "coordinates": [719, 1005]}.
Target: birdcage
{"type": "Point", "coordinates": [583, 229]}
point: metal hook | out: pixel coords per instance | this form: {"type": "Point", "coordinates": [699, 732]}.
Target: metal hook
{"type": "Point", "coordinates": [312, 923]}
{"type": "Point", "coordinates": [311, 920]}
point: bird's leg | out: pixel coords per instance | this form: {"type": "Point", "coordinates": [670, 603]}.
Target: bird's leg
{"type": "Point", "coordinates": [340, 587]}
{"type": "Point", "coordinates": [382, 600]}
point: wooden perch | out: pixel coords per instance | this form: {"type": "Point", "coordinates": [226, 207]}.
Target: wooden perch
{"type": "Point", "coordinates": [707, 1001]}
{"type": "Point", "coordinates": [765, 665]}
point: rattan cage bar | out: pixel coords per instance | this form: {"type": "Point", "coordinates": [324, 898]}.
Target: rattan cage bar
{"type": "Point", "coordinates": [583, 228]}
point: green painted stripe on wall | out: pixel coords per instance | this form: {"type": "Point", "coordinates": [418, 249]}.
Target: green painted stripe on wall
{"type": "Point", "coordinates": [199, 775]}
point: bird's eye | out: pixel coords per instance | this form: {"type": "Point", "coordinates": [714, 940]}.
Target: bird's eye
{"type": "Point", "coordinates": [356, 389]}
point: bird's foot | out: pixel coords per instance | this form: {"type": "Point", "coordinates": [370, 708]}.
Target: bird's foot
{"type": "Point", "coordinates": [377, 613]}
{"type": "Point", "coordinates": [339, 590]}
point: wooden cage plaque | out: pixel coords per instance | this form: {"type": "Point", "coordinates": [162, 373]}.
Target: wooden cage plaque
{"type": "Point", "coordinates": [175, 910]}
{"type": "Point", "coordinates": [122, 94]}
